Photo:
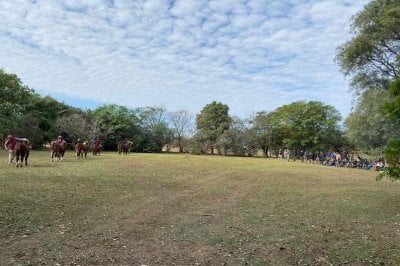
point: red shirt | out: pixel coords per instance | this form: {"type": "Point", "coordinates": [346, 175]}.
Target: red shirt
{"type": "Point", "coordinates": [11, 142]}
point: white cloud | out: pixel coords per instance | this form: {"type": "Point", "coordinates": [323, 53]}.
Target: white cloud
{"type": "Point", "coordinates": [253, 55]}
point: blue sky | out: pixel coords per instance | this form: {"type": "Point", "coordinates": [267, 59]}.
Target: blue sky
{"type": "Point", "coordinates": [253, 55]}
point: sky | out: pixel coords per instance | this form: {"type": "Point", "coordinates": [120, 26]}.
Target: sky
{"type": "Point", "coordinates": [252, 55]}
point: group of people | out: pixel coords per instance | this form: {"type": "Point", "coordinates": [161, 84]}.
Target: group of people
{"type": "Point", "coordinates": [96, 142]}
{"type": "Point", "coordinates": [332, 158]}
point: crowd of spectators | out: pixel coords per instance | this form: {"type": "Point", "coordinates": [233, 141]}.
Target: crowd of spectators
{"type": "Point", "coordinates": [338, 159]}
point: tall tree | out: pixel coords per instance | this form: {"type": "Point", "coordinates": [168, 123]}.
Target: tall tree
{"type": "Point", "coordinates": [368, 127]}
{"type": "Point", "coordinates": [392, 151]}
{"type": "Point", "coordinates": [46, 110]}
{"type": "Point", "coordinates": [212, 121]}
{"type": "Point", "coordinates": [13, 98]}
{"type": "Point", "coordinates": [155, 126]}
{"type": "Point", "coordinates": [181, 122]}
{"type": "Point", "coordinates": [237, 140]}
{"type": "Point", "coordinates": [267, 131]}
{"type": "Point", "coordinates": [76, 126]}
{"type": "Point", "coordinates": [116, 123]}
{"type": "Point", "coordinates": [307, 125]}
{"type": "Point", "coordinates": [370, 56]}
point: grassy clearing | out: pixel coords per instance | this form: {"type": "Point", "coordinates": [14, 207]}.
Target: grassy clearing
{"type": "Point", "coordinates": [181, 209]}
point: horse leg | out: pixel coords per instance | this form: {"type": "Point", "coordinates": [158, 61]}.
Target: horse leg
{"type": "Point", "coordinates": [17, 159]}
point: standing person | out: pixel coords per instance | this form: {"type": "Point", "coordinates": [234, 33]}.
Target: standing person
{"type": "Point", "coordinates": [10, 147]}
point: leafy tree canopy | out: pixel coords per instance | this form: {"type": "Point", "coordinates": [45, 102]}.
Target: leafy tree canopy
{"type": "Point", "coordinates": [212, 121]}
{"type": "Point", "coordinates": [307, 125]}
{"type": "Point", "coordinates": [370, 56]}
{"type": "Point", "coordinates": [13, 98]}
{"type": "Point", "coordinates": [368, 126]}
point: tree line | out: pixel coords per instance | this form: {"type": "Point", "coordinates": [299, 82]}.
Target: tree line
{"type": "Point", "coordinates": [300, 125]}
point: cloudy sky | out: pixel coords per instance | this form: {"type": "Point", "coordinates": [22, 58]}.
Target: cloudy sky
{"type": "Point", "coordinates": [253, 55]}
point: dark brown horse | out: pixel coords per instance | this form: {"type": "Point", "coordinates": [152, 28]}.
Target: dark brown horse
{"type": "Point", "coordinates": [21, 152]}
{"type": "Point", "coordinates": [124, 148]}
{"type": "Point", "coordinates": [57, 150]}
{"type": "Point", "coordinates": [81, 149]}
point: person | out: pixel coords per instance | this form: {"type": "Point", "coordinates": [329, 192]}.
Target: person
{"type": "Point", "coordinates": [97, 143]}
{"type": "Point", "coordinates": [60, 139]}
{"type": "Point", "coordinates": [280, 154]}
{"type": "Point", "coordinates": [286, 154]}
{"type": "Point", "coordinates": [9, 145]}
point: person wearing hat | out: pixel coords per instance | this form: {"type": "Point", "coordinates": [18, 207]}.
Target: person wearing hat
{"type": "Point", "coordinates": [9, 145]}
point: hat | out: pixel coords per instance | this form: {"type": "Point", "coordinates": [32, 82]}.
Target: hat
{"type": "Point", "coordinates": [59, 137]}
{"type": "Point", "coordinates": [10, 136]}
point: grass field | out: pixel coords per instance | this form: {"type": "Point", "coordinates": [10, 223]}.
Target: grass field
{"type": "Point", "coordinates": [172, 209]}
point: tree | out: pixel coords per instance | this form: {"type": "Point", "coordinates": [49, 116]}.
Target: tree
{"type": "Point", "coordinates": [156, 132]}
{"type": "Point", "coordinates": [307, 125]}
{"type": "Point", "coordinates": [116, 123]}
{"type": "Point", "coordinates": [237, 140]}
{"type": "Point", "coordinates": [74, 126]}
{"type": "Point", "coordinates": [212, 121]}
{"type": "Point", "coordinates": [267, 131]}
{"type": "Point", "coordinates": [368, 127]}
{"type": "Point", "coordinates": [370, 56]}
{"type": "Point", "coordinates": [392, 151]}
{"type": "Point", "coordinates": [46, 110]}
{"type": "Point", "coordinates": [13, 98]}
{"type": "Point", "coordinates": [181, 122]}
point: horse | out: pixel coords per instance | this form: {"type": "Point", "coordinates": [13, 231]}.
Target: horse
{"type": "Point", "coordinates": [21, 152]}
{"type": "Point", "coordinates": [81, 149]}
{"type": "Point", "coordinates": [124, 148]}
{"type": "Point", "coordinates": [57, 150]}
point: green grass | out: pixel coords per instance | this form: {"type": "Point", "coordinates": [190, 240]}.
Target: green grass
{"type": "Point", "coordinates": [170, 209]}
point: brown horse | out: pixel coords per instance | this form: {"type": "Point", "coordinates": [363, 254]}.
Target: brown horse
{"type": "Point", "coordinates": [82, 149]}
{"type": "Point", "coordinates": [57, 150]}
{"type": "Point", "coordinates": [21, 152]}
{"type": "Point", "coordinates": [124, 148]}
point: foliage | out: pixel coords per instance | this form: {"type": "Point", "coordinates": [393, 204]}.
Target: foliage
{"type": "Point", "coordinates": [368, 126]}
{"type": "Point", "coordinates": [181, 122]}
{"type": "Point", "coordinates": [156, 137]}
{"type": "Point", "coordinates": [116, 123]}
{"type": "Point", "coordinates": [13, 98]}
{"type": "Point", "coordinates": [46, 110]}
{"type": "Point", "coordinates": [212, 121]}
{"type": "Point", "coordinates": [306, 125]}
{"type": "Point", "coordinates": [234, 141]}
{"type": "Point", "coordinates": [370, 56]}
{"type": "Point", "coordinates": [392, 152]}
{"type": "Point", "coordinates": [267, 131]}
{"type": "Point", "coordinates": [392, 155]}
{"type": "Point", "coordinates": [156, 132]}
{"type": "Point", "coordinates": [76, 126]}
